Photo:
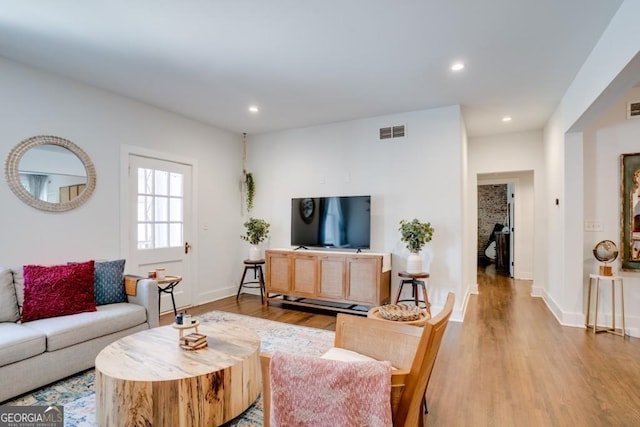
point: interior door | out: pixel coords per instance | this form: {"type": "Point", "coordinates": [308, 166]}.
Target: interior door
{"type": "Point", "coordinates": [511, 205]}
{"type": "Point", "coordinates": [159, 214]}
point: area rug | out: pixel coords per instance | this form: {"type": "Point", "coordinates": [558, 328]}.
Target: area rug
{"type": "Point", "coordinates": [77, 395]}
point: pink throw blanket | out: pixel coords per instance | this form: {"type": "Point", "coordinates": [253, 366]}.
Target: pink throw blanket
{"type": "Point", "coordinates": [309, 391]}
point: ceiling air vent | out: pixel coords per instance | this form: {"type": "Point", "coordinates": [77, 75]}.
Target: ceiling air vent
{"type": "Point", "coordinates": [633, 110]}
{"type": "Point", "coordinates": [391, 132]}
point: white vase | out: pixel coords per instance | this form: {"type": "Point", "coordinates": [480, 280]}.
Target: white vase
{"type": "Point", "coordinates": [414, 263]}
{"type": "Point", "coordinates": [255, 254]}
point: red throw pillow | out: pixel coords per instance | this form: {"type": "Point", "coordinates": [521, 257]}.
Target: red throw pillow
{"type": "Point", "coordinates": [58, 290]}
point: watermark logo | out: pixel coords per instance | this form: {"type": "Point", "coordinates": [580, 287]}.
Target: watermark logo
{"type": "Point", "coordinates": [32, 416]}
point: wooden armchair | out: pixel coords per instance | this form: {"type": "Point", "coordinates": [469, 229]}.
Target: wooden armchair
{"type": "Point", "coordinates": [410, 349]}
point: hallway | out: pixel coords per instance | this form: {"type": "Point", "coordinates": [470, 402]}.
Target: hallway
{"type": "Point", "coordinates": [510, 363]}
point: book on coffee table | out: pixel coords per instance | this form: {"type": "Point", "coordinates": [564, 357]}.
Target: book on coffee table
{"type": "Point", "coordinates": [193, 341]}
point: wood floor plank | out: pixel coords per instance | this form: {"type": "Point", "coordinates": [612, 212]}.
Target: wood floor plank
{"type": "Point", "coordinates": [510, 363]}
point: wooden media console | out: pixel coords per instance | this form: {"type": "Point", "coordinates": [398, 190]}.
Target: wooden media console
{"type": "Point", "coordinates": [341, 281]}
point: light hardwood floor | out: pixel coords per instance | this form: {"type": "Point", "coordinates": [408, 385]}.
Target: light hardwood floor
{"type": "Point", "coordinates": [510, 363]}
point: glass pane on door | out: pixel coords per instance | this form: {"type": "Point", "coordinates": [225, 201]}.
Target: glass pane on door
{"type": "Point", "coordinates": [160, 209]}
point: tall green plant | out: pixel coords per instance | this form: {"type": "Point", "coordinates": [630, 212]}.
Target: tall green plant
{"type": "Point", "coordinates": [257, 230]}
{"type": "Point", "coordinates": [415, 234]}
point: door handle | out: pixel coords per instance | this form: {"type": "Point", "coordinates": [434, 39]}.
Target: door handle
{"type": "Point", "coordinates": [187, 246]}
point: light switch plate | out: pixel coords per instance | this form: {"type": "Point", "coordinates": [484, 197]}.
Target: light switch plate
{"type": "Point", "coordinates": [593, 225]}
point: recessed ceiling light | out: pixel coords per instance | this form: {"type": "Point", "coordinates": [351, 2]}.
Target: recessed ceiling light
{"type": "Point", "coordinates": [253, 109]}
{"type": "Point", "coordinates": [457, 66]}
{"type": "Point", "coordinates": [506, 119]}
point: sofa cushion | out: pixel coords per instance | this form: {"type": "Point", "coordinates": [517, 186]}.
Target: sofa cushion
{"type": "Point", "coordinates": [8, 300]}
{"type": "Point", "coordinates": [18, 342]}
{"type": "Point", "coordinates": [109, 282]}
{"type": "Point", "coordinates": [58, 290]}
{"type": "Point", "coordinates": [18, 283]}
{"type": "Point", "coordinates": [64, 331]}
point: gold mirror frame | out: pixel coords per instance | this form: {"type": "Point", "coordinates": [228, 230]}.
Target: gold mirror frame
{"type": "Point", "coordinates": [629, 193]}
{"type": "Point", "coordinates": [13, 178]}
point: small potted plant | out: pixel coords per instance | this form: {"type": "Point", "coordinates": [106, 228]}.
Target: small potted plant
{"type": "Point", "coordinates": [257, 232]}
{"type": "Point", "coordinates": [415, 234]}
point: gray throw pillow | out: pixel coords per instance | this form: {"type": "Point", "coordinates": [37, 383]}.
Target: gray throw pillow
{"type": "Point", "coordinates": [8, 300]}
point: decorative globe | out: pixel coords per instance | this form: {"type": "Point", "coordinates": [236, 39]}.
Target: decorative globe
{"type": "Point", "coordinates": [605, 251]}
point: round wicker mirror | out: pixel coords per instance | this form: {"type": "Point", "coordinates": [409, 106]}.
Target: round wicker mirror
{"type": "Point", "coordinates": [54, 162]}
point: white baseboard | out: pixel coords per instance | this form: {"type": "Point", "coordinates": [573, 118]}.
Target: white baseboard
{"type": "Point", "coordinates": [211, 296]}
{"type": "Point", "coordinates": [577, 320]}
{"type": "Point", "coordinates": [538, 291]}
{"type": "Point", "coordinates": [471, 290]}
{"type": "Point", "coordinates": [525, 275]}
{"type": "Point", "coordinates": [633, 332]}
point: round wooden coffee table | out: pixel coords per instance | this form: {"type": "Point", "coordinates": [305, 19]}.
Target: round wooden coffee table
{"type": "Point", "coordinates": [147, 379]}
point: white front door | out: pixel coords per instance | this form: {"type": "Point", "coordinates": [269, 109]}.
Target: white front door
{"type": "Point", "coordinates": [159, 214]}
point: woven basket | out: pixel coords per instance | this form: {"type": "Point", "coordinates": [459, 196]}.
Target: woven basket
{"type": "Point", "coordinates": [400, 312]}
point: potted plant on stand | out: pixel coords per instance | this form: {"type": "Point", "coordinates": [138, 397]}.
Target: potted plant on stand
{"type": "Point", "coordinates": [415, 234]}
{"type": "Point", "coordinates": [257, 232]}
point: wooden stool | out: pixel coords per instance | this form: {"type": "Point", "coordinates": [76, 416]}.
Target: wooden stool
{"type": "Point", "coordinates": [613, 330]}
{"type": "Point", "coordinates": [412, 278]}
{"type": "Point", "coordinates": [258, 277]}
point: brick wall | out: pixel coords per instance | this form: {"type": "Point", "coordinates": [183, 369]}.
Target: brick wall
{"type": "Point", "coordinates": [492, 210]}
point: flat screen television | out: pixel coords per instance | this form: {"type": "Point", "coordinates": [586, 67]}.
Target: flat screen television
{"type": "Point", "coordinates": [331, 222]}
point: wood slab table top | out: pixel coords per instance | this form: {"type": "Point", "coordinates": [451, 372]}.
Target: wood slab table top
{"type": "Point", "coordinates": [147, 378]}
{"type": "Point", "coordinates": [168, 279]}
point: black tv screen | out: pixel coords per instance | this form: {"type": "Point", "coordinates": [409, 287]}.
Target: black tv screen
{"type": "Point", "coordinates": [331, 222]}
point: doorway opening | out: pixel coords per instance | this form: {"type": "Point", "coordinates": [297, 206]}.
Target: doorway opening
{"type": "Point", "coordinates": [495, 227]}
{"type": "Point", "coordinates": [506, 209]}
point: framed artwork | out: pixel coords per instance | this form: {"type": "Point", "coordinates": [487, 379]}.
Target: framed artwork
{"type": "Point", "coordinates": [630, 211]}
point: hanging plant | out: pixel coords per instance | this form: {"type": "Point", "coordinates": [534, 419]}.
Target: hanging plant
{"type": "Point", "coordinates": [251, 189]}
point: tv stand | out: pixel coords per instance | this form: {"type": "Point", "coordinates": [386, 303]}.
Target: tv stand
{"type": "Point", "coordinates": [339, 281]}
{"type": "Point", "coordinates": [301, 247]}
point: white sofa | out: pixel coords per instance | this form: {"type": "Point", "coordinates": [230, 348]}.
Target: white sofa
{"type": "Point", "coordinates": [42, 351]}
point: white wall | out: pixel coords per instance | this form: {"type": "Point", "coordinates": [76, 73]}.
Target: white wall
{"type": "Point", "coordinates": [517, 158]}
{"type": "Point", "coordinates": [419, 176]}
{"type": "Point", "coordinates": [469, 264]}
{"type": "Point", "coordinates": [612, 135]}
{"type": "Point", "coordinates": [38, 103]}
{"type": "Point", "coordinates": [606, 75]}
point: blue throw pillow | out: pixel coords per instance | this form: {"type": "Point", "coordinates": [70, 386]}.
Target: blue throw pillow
{"type": "Point", "coordinates": [109, 282]}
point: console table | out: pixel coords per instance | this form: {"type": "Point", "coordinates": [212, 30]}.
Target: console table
{"type": "Point", "coordinates": [340, 281]}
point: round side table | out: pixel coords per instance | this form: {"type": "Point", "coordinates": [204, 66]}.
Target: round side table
{"type": "Point", "coordinates": [596, 279]}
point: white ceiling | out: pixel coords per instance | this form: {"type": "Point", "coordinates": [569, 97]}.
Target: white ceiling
{"type": "Point", "coordinates": [313, 62]}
